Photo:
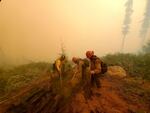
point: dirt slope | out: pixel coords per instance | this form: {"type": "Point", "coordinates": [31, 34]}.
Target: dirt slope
{"type": "Point", "coordinates": [41, 98]}
{"type": "Point", "coordinates": [103, 100]}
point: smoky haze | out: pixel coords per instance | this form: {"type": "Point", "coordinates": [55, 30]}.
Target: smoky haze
{"type": "Point", "coordinates": [32, 30]}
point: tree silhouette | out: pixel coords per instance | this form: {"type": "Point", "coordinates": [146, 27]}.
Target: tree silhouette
{"type": "Point", "coordinates": [127, 21]}
{"type": "Point", "coordinates": [146, 22]}
{"type": "Point", "coordinates": [146, 48]}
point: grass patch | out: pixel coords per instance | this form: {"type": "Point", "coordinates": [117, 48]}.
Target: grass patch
{"type": "Point", "coordinates": [135, 91]}
{"type": "Point", "coordinates": [16, 77]}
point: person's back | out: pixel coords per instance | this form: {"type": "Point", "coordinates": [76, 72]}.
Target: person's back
{"type": "Point", "coordinates": [78, 68]}
{"type": "Point", "coordinates": [81, 68]}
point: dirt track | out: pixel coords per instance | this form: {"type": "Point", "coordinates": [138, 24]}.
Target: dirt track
{"type": "Point", "coordinates": [103, 100]}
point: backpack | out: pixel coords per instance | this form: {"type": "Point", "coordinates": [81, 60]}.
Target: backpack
{"type": "Point", "coordinates": [104, 67]}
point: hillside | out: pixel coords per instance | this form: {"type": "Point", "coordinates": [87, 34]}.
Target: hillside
{"type": "Point", "coordinates": [118, 94]}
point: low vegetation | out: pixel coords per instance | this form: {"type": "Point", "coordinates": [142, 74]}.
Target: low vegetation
{"type": "Point", "coordinates": [136, 87]}
{"type": "Point", "coordinates": [135, 65]}
{"type": "Point", "coordinates": [16, 77]}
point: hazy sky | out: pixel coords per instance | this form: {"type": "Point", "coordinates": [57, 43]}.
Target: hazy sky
{"type": "Point", "coordinates": [32, 29]}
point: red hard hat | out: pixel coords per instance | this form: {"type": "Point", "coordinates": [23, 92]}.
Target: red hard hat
{"type": "Point", "coordinates": [89, 54]}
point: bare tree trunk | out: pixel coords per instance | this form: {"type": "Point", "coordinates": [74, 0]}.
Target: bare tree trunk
{"type": "Point", "coordinates": [123, 43]}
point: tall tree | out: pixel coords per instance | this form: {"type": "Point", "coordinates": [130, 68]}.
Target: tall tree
{"type": "Point", "coordinates": [127, 21]}
{"type": "Point", "coordinates": [146, 23]}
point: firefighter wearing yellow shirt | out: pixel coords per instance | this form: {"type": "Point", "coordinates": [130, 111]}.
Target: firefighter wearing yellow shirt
{"type": "Point", "coordinates": [58, 65]}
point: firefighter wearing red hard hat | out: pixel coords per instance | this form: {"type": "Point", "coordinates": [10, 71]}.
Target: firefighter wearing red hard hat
{"type": "Point", "coordinates": [95, 68]}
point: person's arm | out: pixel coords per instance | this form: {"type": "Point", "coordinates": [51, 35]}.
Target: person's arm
{"type": "Point", "coordinates": [80, 65]}
{"type": "Point", "coordinates": [58, 63]}
{"type": "Point", "coordinates": [97, 69]}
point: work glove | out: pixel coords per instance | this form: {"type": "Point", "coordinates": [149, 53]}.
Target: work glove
{"type": "Point", "coordinates": [92, 72]}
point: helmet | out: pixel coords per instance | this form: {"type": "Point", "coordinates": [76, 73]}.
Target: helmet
{"type": "Point", "coordinates": [74, 59]}
{"type": "Point", "coordinates": [89, 54]}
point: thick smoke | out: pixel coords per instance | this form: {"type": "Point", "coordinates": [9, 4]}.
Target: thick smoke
{"type": "Point", "coordinates": [146, 22]}
{"type": "Point", "coordinates": [127, 20]}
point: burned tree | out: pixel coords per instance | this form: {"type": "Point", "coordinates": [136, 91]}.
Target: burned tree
{"type": "Point", "coordinates": [146, 23]}
{"type": "Point", "coordinates": [127, 21]}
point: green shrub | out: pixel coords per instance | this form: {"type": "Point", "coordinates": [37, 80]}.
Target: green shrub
{"type": "Point", "coordinates": [135, 65]}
